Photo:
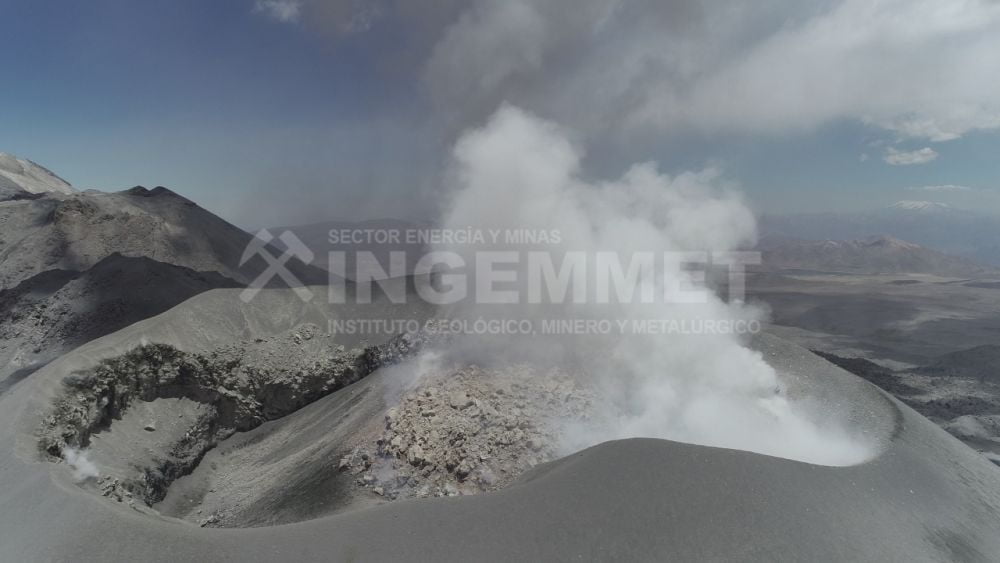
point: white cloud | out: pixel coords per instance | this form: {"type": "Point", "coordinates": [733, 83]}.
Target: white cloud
{"type": "Point", "coordinates": [897, 157]}
{"type": "Point", "coordinates": [919, 68]}
{"type": "Point", "coordinates": [286, 11]}
{"type": "Point", "coordinates": [941, 188]}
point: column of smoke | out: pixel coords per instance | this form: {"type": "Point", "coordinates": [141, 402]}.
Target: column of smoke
{"type": "Point", "coordinates": [522, 172]}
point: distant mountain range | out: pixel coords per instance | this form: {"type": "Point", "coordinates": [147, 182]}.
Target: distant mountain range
{"type": "Point", "coordinates": [376, 257]}
{"type": "Point", "coordinates": [934, 225]}
{"type": "Point", "coordinates": [873, 255]}
{"type": "Point", "coordinates": [876, 254]}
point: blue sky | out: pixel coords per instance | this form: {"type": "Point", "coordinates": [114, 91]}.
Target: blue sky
{"type": "Point", "coordinates": [208, 98]}
{"type": "Point", "coordinates": [346, 109]}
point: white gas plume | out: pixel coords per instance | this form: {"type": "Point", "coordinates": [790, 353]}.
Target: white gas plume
{"type": "Point", "coordinates": [521, 172]}
{"type": "Point", "coordinates": [78, 461]}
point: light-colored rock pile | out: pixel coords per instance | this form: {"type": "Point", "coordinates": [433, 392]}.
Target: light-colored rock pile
{"type": "Point", "coordinates": [469, 431]}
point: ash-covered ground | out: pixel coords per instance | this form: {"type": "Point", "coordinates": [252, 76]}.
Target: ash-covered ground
{"type": "Point", "coordinates": [293, 427]}
{"type": "Point", "coordinates": [417, 430]}
{"type": "Point", "coordinates": [207, 437]}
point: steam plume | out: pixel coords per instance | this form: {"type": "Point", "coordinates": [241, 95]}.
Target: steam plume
{"type": "Point", "coordinates": [519, 171]}
{"type": "Point", "coordinates": [83, 468]}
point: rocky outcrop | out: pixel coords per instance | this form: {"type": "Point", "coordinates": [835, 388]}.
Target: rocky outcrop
{"type": "Point", "coordinates": [470, 430]}
{"type": "Point", "coordinates": [243, 384]}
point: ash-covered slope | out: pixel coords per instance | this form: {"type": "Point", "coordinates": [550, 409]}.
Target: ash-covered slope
{"type": "Point", "coordinates": [873, 255]}
{"type": "Point", "coordinates": [20, 174]}
{"type": "Point", "coordinates": [52, 312]}
{"type": "Point", "coordinates": [75, 232]}
{"type": "Point", "coordinates": [924, 496]}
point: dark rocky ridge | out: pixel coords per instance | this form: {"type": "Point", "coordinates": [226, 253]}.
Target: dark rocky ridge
{"type": "Point", "coordinates": [958, 391]}
{"type": "Point", "coordinates": [76, 231]}
{"type": "Point", "coordinates": [981, 363]}
{"type": "Point", "coordinates": [869, 370]}
{"type": "Point", "coordinates": [56, 310]}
